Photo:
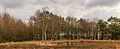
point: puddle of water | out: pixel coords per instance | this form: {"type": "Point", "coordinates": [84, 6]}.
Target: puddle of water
{"type": "Point", "coordinates": [66, 43]}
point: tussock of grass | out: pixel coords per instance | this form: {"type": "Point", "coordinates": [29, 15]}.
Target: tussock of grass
{"type": "Point", "coordinates": [16, 42]}
{"type": "Point", "coordinates": [48, 43]}
{"type": "Point", "coordinates": [11, 43]}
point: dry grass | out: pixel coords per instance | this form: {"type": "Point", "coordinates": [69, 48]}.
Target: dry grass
{"type": "Point", "coordinates": [79, 44]}
{"type": "Point", "coordinates": [117, 46]}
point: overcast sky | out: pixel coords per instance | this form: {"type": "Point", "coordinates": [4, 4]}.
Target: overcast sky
{"type": "Point", "coordinates": [102, 9]}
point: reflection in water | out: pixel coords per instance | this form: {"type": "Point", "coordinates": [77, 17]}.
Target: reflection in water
{"type": "Point", "coordinates": [66, 43]}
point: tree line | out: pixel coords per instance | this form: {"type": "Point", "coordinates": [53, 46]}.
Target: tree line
{"type": "Point", "coordinates": [45, 25]}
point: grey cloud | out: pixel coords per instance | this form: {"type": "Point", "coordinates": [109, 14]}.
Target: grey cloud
{"type": "Point", "coordinates": [101, 14]}
{"type": "Point", "coordinates": [105, 3]}
{"type": "Point", "coordinates": [62, 2]}
{"type": "Point", "coordinates": [39, 2]}
{"type": "Point", "coordinates": [12, 3]}
{"type": "Point", "coordinates": [69, 2]}
{"type": "Point", "coordinates": [78, 8]}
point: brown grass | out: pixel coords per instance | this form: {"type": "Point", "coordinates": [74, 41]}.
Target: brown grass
{"type": "Point", "coordinates": [117, 46]}
{"type": "Point", "coordinates": [79, 44]}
